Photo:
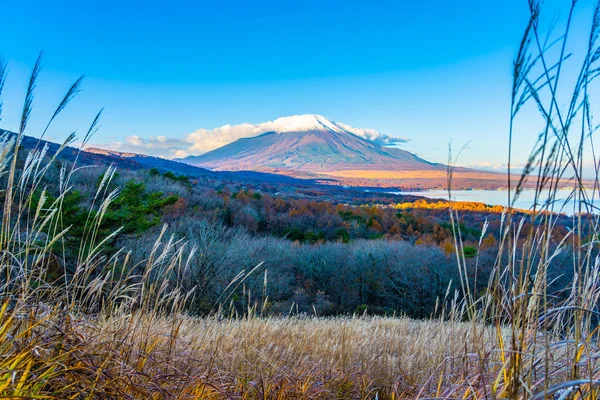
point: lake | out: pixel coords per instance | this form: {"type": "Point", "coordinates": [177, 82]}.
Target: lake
{"type": "Point", "coordinates": [500, 197]}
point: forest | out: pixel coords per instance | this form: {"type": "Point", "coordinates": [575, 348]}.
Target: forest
{"type": "Point", "coordinates": [306, 255]}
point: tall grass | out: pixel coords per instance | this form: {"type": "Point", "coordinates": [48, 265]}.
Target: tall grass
{"type": "Point", "coordinates": [546, 342]}
{"type": "Point", "coordinates": [42, 353]}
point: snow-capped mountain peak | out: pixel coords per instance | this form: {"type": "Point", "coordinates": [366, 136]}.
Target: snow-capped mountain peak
{"type": "Point", "coordinates": [315, 122]}
{"type": "Point", "coordinates": [204, 140]}
{"type": "Point", "coordinates": [308, 142]}
{"type": "Point", "coordinates": [303, 123]}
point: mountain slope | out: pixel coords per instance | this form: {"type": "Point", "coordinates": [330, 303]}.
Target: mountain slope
{"type": "Point", "coordinates": [101, 157]}
{"type": "Point", "coordinates": [309, 143]}
{"type": "Point", "coordinates": [145, 161]}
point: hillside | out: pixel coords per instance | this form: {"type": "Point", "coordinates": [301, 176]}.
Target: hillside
{"type": "Point", "coordinates": [101, 157]}
{"type": "Point", "coordinates": [145, 161]}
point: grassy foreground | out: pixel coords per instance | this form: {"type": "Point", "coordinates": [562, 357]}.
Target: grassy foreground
{"type": "Point", "coordinates": [145, 356]}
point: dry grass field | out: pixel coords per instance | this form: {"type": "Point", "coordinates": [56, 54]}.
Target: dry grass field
{"type": "Point", "coordinates": [146, 355]}
{"type": "Point", "coordinates": [295, 357]}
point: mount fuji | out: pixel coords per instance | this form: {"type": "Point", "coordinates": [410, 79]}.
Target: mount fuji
{"type": "Point", "coordinates": [314, 144]}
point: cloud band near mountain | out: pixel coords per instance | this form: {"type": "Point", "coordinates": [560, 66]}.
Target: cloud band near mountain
{"type": "Point", "coordinates": [204, 140]}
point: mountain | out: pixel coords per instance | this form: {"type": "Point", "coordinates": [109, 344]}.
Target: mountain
{"type": "Point", "coordinates": [101, 157]}
{"type": "Point", "coordinates": [145, 161]}
{"type": "Point", "coordinates": [310, 143]}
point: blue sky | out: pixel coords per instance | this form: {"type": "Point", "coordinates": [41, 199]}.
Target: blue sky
{"type": "Point", "coordinates": [429, 70]}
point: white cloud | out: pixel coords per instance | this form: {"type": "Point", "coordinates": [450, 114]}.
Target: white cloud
{"type": "Point", "coordinates": [134, 140]}
{"type": "Point", "coordinates": [494, 167]}
{"type": "Point", "coordinates": [204, 140]}
{"type": "Point", "coordinates": [374, 136]}
{"type": "Point", "coordinates": [160, 146]}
